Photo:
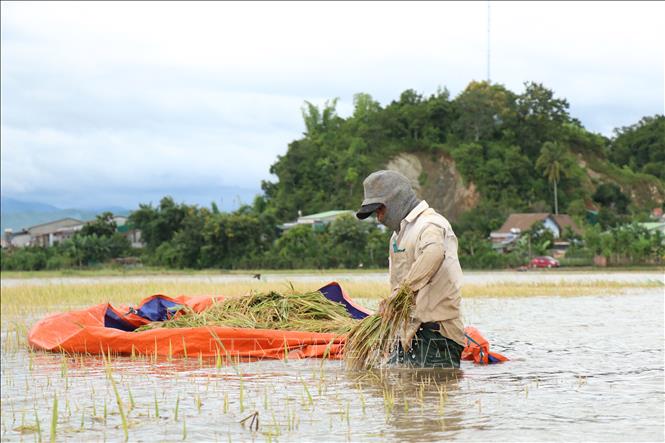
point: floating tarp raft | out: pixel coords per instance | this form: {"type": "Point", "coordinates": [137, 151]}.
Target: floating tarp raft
{"type": "Point", "coordinates": [104, 328]}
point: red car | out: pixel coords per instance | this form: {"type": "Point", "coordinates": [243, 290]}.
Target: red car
{"type": "Point", "coordinates": [544, 262]}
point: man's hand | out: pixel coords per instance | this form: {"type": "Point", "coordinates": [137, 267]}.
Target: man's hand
{"type": "Point", "coordinates": [383, 304]}
{"type": "Point", "coordinates": [382, 307]}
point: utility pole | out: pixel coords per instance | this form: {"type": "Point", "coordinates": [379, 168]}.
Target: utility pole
{"type": "Point", "coordinates": [488, 41]}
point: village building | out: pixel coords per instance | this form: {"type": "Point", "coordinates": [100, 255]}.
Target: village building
{"type": "Point", "coordinates": [13, 239]}
{"type": "Point", "coordinates": [128, 230]}
{"type": "Point", "coordinates": [51, 233]}
{"type": "Point", "coordinates": [54, 232]}
{"type": "Point", "coordinates": [654, 227]}
{"type": "Point", "coordinates": [319, 220]}
{"type": "Point", "coordinates": [505, 237]}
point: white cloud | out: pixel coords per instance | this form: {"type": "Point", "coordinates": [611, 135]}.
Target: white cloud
{"type": "Point", "coordinates": [147, 97]}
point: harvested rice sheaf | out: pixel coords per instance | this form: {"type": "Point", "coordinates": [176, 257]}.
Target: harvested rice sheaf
{"type": "Point", "coordinates": [294, 311]}
{"type": "Point", "coordinates": [372, 339]}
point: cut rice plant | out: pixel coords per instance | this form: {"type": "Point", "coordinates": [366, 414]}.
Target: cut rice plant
{"type": "Point", "coordinates": [293, 311]}
{"type": "Point", "coordinates": [372, 339]}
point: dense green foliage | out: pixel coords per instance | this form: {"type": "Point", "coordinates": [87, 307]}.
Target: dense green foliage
{"type": "Point", "coordinates": [522, 151]}
{"type": "Point", "coordinates": [641, 146]}
{"type": "Point", "coordinates": [518, 149]}
{"type": "Point", "coordinates": [182, 236]}
{"type": "Point", "coordinates": [626, 244]}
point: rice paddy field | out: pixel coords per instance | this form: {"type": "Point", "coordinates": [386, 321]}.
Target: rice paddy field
{"type": "Point", "coordinates": [586, 363]}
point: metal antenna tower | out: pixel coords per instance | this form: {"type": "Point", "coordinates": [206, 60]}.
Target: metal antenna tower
{"type": "Point", "coordinates": [488, 41]}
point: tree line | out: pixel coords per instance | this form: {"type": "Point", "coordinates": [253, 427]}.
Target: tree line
{"type": "Point", "coordinates": [187, 236]}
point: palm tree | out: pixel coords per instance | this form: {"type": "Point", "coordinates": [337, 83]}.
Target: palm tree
{"type": "Point", "coordinates": [554, 162]}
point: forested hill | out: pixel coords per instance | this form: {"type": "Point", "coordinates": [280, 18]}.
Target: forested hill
{"type": "Point", "coordinates": [476, 157]}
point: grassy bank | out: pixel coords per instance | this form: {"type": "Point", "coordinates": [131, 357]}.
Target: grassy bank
{"type": "Point", "coordinates": [151, 271]}
{"type": "Point", "coordinates": [148, 271]}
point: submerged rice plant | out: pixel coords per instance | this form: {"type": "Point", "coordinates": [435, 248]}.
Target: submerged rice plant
{"type": "Point", "coordinates": [370, 341]}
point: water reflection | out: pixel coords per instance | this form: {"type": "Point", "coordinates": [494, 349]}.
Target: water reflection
{"type": "Point", "coordinates": [415, 399]}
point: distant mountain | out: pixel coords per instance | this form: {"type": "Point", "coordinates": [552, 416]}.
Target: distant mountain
{"type": "Point", "coordinates": [13, 206]}
{"type": "Point", "coordinates": [17, 214]}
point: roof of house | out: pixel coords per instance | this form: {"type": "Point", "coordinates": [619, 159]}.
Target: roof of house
{"type": "Point", "coordinates": [52, 226]}
{"type": "Point", "coordinates": [654, 226]}
{"type": "Point", "coordinates": [523, 222]}
{"type": "Point", "coordinates": [564, 221]}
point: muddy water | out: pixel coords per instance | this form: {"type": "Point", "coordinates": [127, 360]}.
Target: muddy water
{"type": "Point", "coordinates": [582, 368]}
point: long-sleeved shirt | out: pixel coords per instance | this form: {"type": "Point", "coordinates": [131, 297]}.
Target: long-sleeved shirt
{"type": "Point", "coordinates": [423, 256]}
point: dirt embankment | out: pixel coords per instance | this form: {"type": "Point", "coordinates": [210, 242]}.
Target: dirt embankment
{"type": "Point", "coordinates": [644, 191]}
{"type": "Point", "coordinates": [436, 179]}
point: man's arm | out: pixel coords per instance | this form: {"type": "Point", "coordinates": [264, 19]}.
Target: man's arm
{"type": "Point", "coordinates": [430, 253]}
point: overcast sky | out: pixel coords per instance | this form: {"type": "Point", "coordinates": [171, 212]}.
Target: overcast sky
{"type": "Point", "coordinates": [121, 103]}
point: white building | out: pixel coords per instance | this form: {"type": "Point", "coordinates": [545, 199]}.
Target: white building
{"type": "Point", "coordinates": [50, 233]}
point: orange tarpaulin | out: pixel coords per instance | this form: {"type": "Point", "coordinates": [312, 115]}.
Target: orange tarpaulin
{"type": "Point", "coordinates": [85, 332]}
{"type": "Point", "coordinates": [88, 331]}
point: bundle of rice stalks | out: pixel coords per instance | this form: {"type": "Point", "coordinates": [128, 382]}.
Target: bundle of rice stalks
{"type": "Point", "coordinates": [295, 311]}
{"type": "Point", "coordinates": [372, 339]}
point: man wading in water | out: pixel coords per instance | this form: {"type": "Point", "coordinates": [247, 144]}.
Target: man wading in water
{"type": "Point", "coordinates": [423, 256]}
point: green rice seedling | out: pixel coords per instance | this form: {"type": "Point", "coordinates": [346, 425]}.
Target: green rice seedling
{"type": "Point", "coordinates": [198, 403]}
{"type": "Point", "coordinates": [242, 396]}
{"type": "Point", "coordinates": [38, 426]}
{"type": "Point", "coordinates": [54, 419]}
{"type": "Point", "coordinates": [388, 400]}
{"type": "Point", "coordinates": [131, 401]}
{"type": "Point", "coordinates": [156, 406]}
{"type": "Point", "coordinates": [121, 410]}
{"type": "Point", "coordinates": [310, 400]}
{"type": "Point", "coordinates": [218, 360]}
{"type": "Point", "coordinates": [362, 399]}
{"type": "Point", "coordinates": [442, 403]}
{"type": "Point", "coordinates": [275, 425]}
{"type": "Point", "coordinates": [184, 429]}
{"type": "Point", "coordinates": [177, 405]}
{"type": "Point", "coordinates": [371, 339]}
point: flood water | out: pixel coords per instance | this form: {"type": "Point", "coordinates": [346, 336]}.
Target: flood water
{"type": "Point", "coordinates": [581, 368]}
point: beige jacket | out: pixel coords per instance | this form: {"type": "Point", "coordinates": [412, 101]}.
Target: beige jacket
{"type": "Point", "coordinates": [424, 256]}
